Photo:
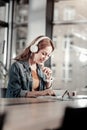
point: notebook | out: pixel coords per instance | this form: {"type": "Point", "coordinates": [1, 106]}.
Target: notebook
{"type": "Point", "coordinates": [64, 95]}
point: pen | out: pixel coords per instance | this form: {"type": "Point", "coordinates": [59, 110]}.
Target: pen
{"type": "Point", "coordinates": [64, 93]}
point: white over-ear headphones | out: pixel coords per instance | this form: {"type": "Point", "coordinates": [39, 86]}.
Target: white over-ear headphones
{"type": "Point", "coordinates": [34, 48]}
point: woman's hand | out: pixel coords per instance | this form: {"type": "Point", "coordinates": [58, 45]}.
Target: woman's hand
{"type": "Point", "coordinates": [47, 92]}
{"type": "Point", "coordinates": [48, 72]}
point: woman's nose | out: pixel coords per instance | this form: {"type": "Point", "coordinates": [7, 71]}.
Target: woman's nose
{"type": "Point", "coordinates": [45, 57]}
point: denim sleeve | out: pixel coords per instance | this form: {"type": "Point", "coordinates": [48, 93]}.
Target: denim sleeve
{"type": "Point", "coordinates": [14, 83]}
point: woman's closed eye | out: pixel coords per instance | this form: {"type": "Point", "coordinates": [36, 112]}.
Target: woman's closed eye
{"type": "Point", "coordinates": [45, 54]}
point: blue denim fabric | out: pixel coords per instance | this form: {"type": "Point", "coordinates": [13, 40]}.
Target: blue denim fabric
{"type": "Point", "coordinates": [20, 79]}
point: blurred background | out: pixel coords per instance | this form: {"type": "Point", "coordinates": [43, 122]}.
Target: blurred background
{"type": "Point", "coordinates": [64, 21]}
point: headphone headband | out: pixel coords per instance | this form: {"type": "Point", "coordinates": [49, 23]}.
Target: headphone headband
{"type": "Point", "coordinates": [40, 39]}
{"type": "Point", "coordinates": [34, 47]}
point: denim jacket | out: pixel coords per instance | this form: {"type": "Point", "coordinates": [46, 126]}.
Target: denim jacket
{"type": "Point", "coordinates": [20, 79]}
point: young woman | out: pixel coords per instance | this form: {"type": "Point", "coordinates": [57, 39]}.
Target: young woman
{"type": "Point", "coordinates": [27, 76]}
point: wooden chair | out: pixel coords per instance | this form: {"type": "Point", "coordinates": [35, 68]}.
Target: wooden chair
{"type": "Point", "coordinates": [74, 119]}
{"type": "Point", "coordinates": [3, 92]}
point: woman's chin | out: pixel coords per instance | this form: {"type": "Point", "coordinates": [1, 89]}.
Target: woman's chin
{"type": "Point", "coordinates": [41, 63]}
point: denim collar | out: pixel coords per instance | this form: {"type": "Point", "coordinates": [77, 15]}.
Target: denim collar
{"type": "Point", "coordinates": [26, 65]}
{"type": "Point", "coordinates": [39, 70]}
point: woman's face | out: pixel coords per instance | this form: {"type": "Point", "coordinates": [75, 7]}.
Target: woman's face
{"type": "Point", "coordinates": [42, 55]}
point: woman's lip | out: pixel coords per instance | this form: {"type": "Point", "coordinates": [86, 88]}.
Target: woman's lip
{"type": "Point", "coordinates": [42, 61]}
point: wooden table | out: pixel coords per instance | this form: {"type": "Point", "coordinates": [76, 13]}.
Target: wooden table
{"type": "Point", "coordinates": [36, 113]}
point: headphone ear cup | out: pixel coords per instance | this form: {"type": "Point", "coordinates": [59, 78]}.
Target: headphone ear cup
{"type": "Point", "coordinates": [34, 48]}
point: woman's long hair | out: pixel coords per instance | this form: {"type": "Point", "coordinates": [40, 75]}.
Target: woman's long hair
{"type": "Point", "coordinates": [26, 54]}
